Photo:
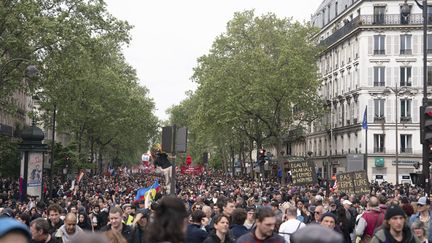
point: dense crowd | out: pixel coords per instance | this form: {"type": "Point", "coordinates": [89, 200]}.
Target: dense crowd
{"type": "Point", "coordinates": [212, 207]}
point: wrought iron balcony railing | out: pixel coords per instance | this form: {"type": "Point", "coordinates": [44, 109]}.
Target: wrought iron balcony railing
{"type": "Point", "coordinates": [373, 20]}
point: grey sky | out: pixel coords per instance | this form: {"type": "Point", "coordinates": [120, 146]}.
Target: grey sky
{"type": "Point", "coordinates": [169, 36]}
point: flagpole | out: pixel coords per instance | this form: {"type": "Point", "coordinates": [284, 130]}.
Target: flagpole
{"type": "Point", "coordinates": [365, 126]}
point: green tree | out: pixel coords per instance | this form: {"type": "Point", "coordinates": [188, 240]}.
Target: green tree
{"type": "Point", "coordinates": [259, 77]}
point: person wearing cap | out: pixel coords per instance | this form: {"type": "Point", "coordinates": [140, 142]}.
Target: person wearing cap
{"type": "Point", "coordinates": [370, 220]}
{"type": "Point", "coordinates": [350, 217]}
{"type": "Point", "coordinates": [394, 228]}
{"type": "Point", "coordinates": [13, 231]}
{"type": "Point", "coordinates": [127, 214]}
{"type": "Point", "coordinates": [423, 214]}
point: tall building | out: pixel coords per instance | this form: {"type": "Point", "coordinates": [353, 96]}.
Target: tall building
{"type": "Point", "coordinates": [372, 58]}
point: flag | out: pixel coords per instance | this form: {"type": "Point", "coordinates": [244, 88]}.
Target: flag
{"type": "Point", "coordinates": [80, 176]}
{"type": "Point", "coordinates": [335, 187]}
{"type": "Point", "coordinates": [365, 123]}
{"type": "Point", "coordinates": [151, 190]}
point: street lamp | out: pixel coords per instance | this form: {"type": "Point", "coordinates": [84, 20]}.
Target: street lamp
{"type": "Point", "coordinates": [405, 11]}
{"type": "Point", "coordinates": [30, 71]}
{"type": "Point", "coordinates": [396, 91]}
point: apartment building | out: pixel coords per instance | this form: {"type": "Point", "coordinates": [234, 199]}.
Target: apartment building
{"type": "Point", "coordinates": [372, 58]}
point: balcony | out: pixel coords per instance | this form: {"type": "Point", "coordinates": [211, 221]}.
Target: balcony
{"type": "Point", "coordinates": [406, 150]}
{"type": "Point", "coordinates": [372, 20]}
{"type": "Point", "coordinates": [406, 51]}
{"type": "Point", "coordinates": [379, 150]}
{"type": "Point", "coordinates": [405, 119]}
{"type": "Point", "coordinates": [379, 119]}
{"type": "Point", "coordinates": [379, 52]}
{"type": "Point", "coordinates": [379, 84]}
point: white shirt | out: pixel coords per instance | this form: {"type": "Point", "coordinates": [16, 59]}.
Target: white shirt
{"type": "Point", "coordinates": [289, 227]}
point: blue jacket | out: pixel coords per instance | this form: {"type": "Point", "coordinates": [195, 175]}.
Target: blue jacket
{"type": "Point", "coordinates": [238, 230]}
{"type": "Point", "coordinates": [195, 234]}
{"type": "Point", "coordinates": [416, 217]}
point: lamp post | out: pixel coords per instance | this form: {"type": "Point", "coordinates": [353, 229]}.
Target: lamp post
{"type": "Point", "coordinates": [396, 91]}
{"type": "Point", "coordinates": [30, 70]}
{"type": "Point", "coordinates": [405, 11]}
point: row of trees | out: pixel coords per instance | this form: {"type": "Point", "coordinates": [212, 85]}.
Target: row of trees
{"type": "Point", "coordinates": [258, 81]}
{"type": "Point", "coordinates": [76, 46]}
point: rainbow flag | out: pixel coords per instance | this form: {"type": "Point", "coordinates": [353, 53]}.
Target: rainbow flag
{"type": "Point", "coordinates": [151, 190]}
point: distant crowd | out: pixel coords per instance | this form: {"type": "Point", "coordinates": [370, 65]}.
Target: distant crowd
{"type": "Point", "coordinates": [212, 207]}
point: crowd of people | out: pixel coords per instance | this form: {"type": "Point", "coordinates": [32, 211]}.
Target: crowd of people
{"type": "Point", "coordinates": [212, 207]}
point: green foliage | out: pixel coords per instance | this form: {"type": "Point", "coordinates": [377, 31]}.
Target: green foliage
{"type": "Point", "coordinates": [9, 157]}
{"type": "Point", "coordinates": [256, 83]}
{"type": "Point", "coordinates": [76, 45]}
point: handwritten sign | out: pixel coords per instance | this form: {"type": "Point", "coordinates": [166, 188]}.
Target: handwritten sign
{"type": "Point", "coordinates": [361, 183]}
{"type": "Point", "coordinates": [345, 183]}
{"type": "Point", "coordinates": [353, 183]}
{"type": "Point", "coordinates": [303, 173]}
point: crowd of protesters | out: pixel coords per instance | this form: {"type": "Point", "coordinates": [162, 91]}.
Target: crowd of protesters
{"type": "Point", "coordinates": [212, 207]}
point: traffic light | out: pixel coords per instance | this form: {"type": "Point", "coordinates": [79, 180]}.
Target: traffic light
{"type": "Point", "coordinates": [427, 132]}
{"type": "Point", "coordinates": [427, 125]}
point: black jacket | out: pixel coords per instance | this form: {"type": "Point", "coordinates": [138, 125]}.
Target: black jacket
{"type": "Point", "coordinates": [213, 238]}
{"type": "Point", "coordinates": [138, 235]}
{"type": "Point", "coordinates": [195, 234]}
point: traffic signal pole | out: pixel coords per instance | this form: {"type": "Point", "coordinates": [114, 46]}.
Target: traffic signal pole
{"type": "Point", "coordinates": [426, 142]}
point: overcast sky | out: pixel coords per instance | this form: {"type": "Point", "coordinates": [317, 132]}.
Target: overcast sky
{"type": "Point", "coordinates": [169, 35]}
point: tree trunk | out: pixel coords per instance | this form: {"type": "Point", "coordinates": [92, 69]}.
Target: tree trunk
{"type": "Point", "coordinates": [280, 159]}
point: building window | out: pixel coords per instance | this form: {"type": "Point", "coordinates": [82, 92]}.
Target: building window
{"type": "Point", "coordinates": [379, 109]}
{"type": "Point", "coordinates": [405, 143]}
{"type": "Point", "coordinates": [405, 76]}
{"type": "Point", "coordinates": [336, 8]}
{"type": "Point", "coordinates": [379, 12]}
{"type": "Point", "coordinates": [429, 76]}
{"type": "Point", "coordinates": [379, 43]}
{"type": "Point", "coordinates": [405, 45]}
{"type": "Point", "coordinates": [379, 143]}
{"type": "Point", "coordinates": [379, 76]}
{"type": "Point", "coordinates": [429, 43]}
{"type": "Point", "coordinates": [405, 109]}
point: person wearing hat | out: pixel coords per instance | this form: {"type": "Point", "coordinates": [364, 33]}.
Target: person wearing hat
{"type": "Point", "coordinates": [13, 231]}
{"type": "Point", "coordinates": [328, 220]}
{"type": "Point", "coordinates": [394, 228]}
{"type": "Point", "coordinates": [423, 214]}
{"type": "Point", "coordinates": [350, 217]}
{"type": "Point", "coordinates": [127, 214]}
